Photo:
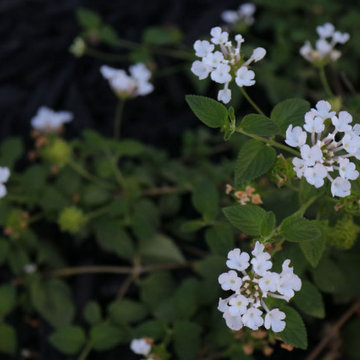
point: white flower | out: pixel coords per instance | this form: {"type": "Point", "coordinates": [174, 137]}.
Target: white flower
{"type": "Point", "coordinates": [342, 122]}
{"type": "Point", "coordinates": [200, 69]}
{"type": "Point", "coordinates": [203, 48]}
{"type": "Point", "coordinates": [238, 305]}
{"type": "Point", "coordinates": [269, 282]}
{"type": "Point", "coordinates": [230, 281]}
{"type": "Point", "coordinates": [47, 120]}
{"type": "Point", "coordinates": [299, 166]}
{"type": "Point", "coordinates": [244, 77]}
{"type": "Point", "coordinates": [313, 123]}
{"type": "Point", "coordinates": [233, 322]}
{"type": "Point", "coordinates": [244, 14]}
{"type": "Point", "coordinates": [253, 319]}
{"type": "Point", "coordinates": [247, 9]}
{"type": "Point", "coordinates": [128, 86]}
{"type": "Point", "coordinates": [274, 319]}
{"type": "Point", "coordinates": [224, 95]}
{"type": "Point", "coordinates": [4, 177]}
{"type": "Point", "coordinates": [140, 346]}
{"type": "Point", "coordinates": [341, 38]}
{"type": "Point", "coordinates": [315, 175]}
{"type": "Point", "coordinates": [221, 74]}
{"type": "Point", "coordinates": [326, 30]}
{"type": "Point", "coordinates": [323, 46]}
{"type": "Point", "coordinates": [295, 136]}
{"type": "Point", "coordinates": [347, 169]}
{"type": "Point", "coordinates": [306, 51]}
{"type": "Point", "coordinates": [310, 155]}
{"type": "Point", "coordinates": [30, 268]}
{"type": "Point", "coordinates": [230, 16]}
{"type": "Point", "coordinates": [323, 110]}
{"type": "Point", "coordinates": [237, 260]}
{"type": "Point", "coordinates": [340, 187]}
{"type": "Point", "coordinates": [214, 59]}
{"type": "Point", "coordinates": [244, 307]}
{"type": "Point", "coordinates": [261, 263]}
{"type": "Point", "coordinates": [218, 36]}
{"type": "Point", "coordinates": [258, 54]}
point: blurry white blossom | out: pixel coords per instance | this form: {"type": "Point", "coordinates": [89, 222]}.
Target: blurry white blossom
{"type": "Point", "coordinates": [49, 121]}
{"type": "Point", "coordinates": [324, 51]}
{"type": "Point", "coordinates": [224, 62]}
{"type": "Point", "coordinates": [140, 346]}
{"type": "Point", "coordinates": [328, 153]}
{"type": "Point", "coordinates": [243, 15]}
{"type": "Point", "coordinates": [129, 86]}
{"type": "Point", "coordinates": [4, 177]}
{"type": "Point", "coordinates": [246, 306]}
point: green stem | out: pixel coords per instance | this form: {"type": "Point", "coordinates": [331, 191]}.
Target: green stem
{"type": "Point", "coordinates": [86, 351]}
{"type": "Point", "coordinates": [85, 174]}
{"type": "Point", "coordinates": [251, 101]}
{"type": "Point", "coordinates": [105, 56]}
{"type": "Point", "coordinates": [325, 82]}
{"type": "Point", "coordinates": [118, 118]}
{"type": "Point", "coordinates": [269, 142]}
{"type": "Point", "coordinates": [96, 213]}
{"type": "Point", "coordinates": [305, 206]}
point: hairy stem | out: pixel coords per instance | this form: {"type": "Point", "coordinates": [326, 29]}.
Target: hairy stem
{"type": "Point", "coordinates": [86, 351]}
{"type": "Point", "coordinates": [251, 101]}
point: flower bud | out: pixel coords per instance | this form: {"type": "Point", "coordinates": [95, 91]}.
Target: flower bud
{"type": "Point", "coordinates": [71, 219]}
{"type": "Point", "coordinates": [58, 152]}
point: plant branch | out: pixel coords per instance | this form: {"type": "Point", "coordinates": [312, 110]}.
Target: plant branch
{"type": "Point", "coordinates": [251, 101]}
{"type": "Point", "coordinates": [335, 329]}
{"type": "Point", "coordinates": [325, 83]}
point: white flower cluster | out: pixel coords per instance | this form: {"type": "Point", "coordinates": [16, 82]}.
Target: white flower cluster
{"type": "Point", "coordinates": [129, 86]}
{"type": "Point", "coordinates": [329, 153]}
{"type": "Point", "coordinates": [244, 14]}
{"type": "Point", "coordinates": [49, 121]}
{"type": "Point", "coordinates": [243, 308]}
{"type": "Point", "coordinates": [141, 347]}
{"type": "Point", "coordinates": [225, 64]}
{"type": "Point", "coordinates": [325, 46]}
{"type": "Point", "coordinates": [4, 177]}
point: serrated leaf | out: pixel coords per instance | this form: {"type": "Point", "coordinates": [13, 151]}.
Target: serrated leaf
{"type": "Point", "coordinates": [68, 340]}
{"type": "Point", "coordinates": [160, 248]}
{"type": "Point", "coordinates": [290, 111]}
{"type": "Point", "coordinates": [247, 218]}
{"type": "Point", "coordinates": [299, 229]}
{"type": "Point", "coordinates": [105, 336]}
{"type": "Point", "coordinates": [313, 249]}
{"type": "Point", "coordinates": [295, 331]}
{"type": "Point", "coordinates": [268, 223]}
{"type": "Point", "coordinates": [209, 111]}
{"type": "Point", "coordinates": [186, 339]}
{"type": "Point", "coordinates": [327, 276]}
{"type": "Point", "coordinates": [309, 300]}
{"type": "Point", "coordinates": [126, 311]}
{"type": "Point", "coordinates": [157, 35]}
{"type": "Point", "coordinates": [258, 124]}
{"type": "Point", "coordinates": [205, 198]}
{"type": "Point", "coordinates": [220, 239]}
{"type": "Point", "coordinates": [254, 160]}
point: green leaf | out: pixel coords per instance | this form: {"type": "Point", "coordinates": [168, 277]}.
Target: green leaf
{"type": "Point", "coordinates": [108, 35]}
{"type": "Point", "coordinates": [94, 195]}
{"type": "Point", "coordinates": [209, 111]}
{"type": "Point", "coordinates": [220, 239]}
{"type": "Point", "coordinates": [51, 199]}
{"type": "Point", "coordinates": [155, 329]}
{"type": "Point", "coordinates": [68, 339]}
{"type": "Point", "coordinates": [205, 198]}
{"type": "Point", "coordinates": [130, 147]}
{"type": "Point", "coordinates": [126, 311]}
{"type": "Point", "coordinates": [52, 299]}
{"type": "Point", "coordinates": [160, 249]}
{"type": "Point", "coordinates": [290, 111]}
{"type": "Point", "coordinates": [327, 276]}
{"type": "Point", "coordinates": [7, 299]}
{"type": "Point", "coordinates": [145, 219]}
{"type": "Point", "coordinates": [299, 229]}
{"type": "Point", "coordinates": [92, 313]}
{"type": "Point", "coordinates": [186, 339]}
{"type": "Point", "coordinates": [192, 226]}
{"type": "Point", "coordinates": [112, 237]}
{"type": "Point", "coordinates": [309, 300]}
{"type": "Point", "coordinates": [254, 160]}
{"type": "Point", "coordinates": [156, 288]}
{"type": "Point", "coordinates": [88, 19]}
{"type": "Point", "coordinates": [268, 223]}
{"type": "Point", "coordinates": [247, 218]}
{"type": "Point", "coordinates": [259, 125]}
{"type": "Point", "coordinates": [295, 331]}
{"type": "Point", "coordinates": [4, 250]}
{"type": "Point", "coordinates": [105, 336]}
{"type": "Point", "coordinates": [186, 298]}
{"type": "Point", "coordinates": [156, 35]}
{"type": "Point", "coordinates": [8, 339]}
{"type": "Point", "coordinates": [313, 249]}
{"type": "Point", "coordinates": [11, 150]}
